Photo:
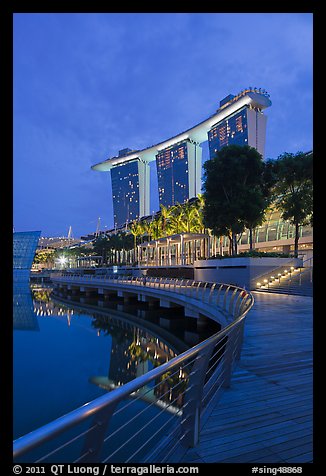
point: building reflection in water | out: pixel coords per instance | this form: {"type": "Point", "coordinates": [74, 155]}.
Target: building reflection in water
{"type": "Point", "coordinates": [134, 350]}
{"type": "Point", "coordinates": [24, 318]}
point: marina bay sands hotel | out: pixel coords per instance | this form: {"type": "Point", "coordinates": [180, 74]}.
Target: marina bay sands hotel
{"type": "Point", "coordinates": [238, 120]}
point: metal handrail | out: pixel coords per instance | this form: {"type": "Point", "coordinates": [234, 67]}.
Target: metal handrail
{"type": "Point", "coordinates": [165, 284]}
{"type": "Point", "coordinates": [201, 354]}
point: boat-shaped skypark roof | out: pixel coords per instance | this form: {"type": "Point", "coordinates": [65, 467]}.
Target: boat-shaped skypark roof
{"type": "Point", "coordinates": [198, 133]}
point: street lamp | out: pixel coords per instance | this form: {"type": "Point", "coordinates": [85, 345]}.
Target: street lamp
{"type": "Point", "coordinates": [62, 260]}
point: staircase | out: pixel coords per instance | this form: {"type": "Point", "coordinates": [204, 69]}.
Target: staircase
{"type": "Point", "coordinates": [298, 281]}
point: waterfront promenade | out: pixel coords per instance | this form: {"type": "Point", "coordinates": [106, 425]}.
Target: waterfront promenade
{"type": "Point", "coordinates": [266, 414]}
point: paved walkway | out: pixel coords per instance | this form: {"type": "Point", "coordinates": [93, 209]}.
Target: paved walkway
{"type": "Point", "coordinates": [266, 415]}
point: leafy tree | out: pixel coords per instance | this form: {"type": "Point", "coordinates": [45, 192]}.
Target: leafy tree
{"type": "Point", "coordinates": [101, 247]}
{"type": "Point", "coordinates": [125, 244]}
{"type": "Point", "coordinates": [294, 190]}
{"type": "Point", "coordinates": [44, 256]}
{"type": "Point", "coordinates": [154, 230]}
{"type": "Point", "coordinates": [199, 204]}
{"type": "Point", "coordinates": [234, 192]}
{"type": "Point", "coordinates": [189, 214]}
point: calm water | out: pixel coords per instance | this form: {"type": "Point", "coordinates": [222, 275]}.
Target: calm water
{"type": "Point", "coordinates": [66, 355]}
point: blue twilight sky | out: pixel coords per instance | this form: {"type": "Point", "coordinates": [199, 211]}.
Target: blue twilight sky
{"type": "Point", "coordinates": [87, 85]}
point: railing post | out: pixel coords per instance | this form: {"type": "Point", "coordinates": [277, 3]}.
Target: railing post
{"type": "Point", "coordinates": [231, 300]}
{"type": "Point", "coordinates": [186, 287]}
{"type": "Point", "coordinates": [218, 294]}
{"type": "Point", "coordinates": [93, 443]}
{"type": "Point", "coordinates": [181, 283]}
{"type": "Point", "coordinates": [237, 305]}
{"type": "Point", "coordinates": [239, 339]}
{"type": "Point", "coordinates": [227, 362]}
{"type": "Point", "coordinates": [192, 406]}
{"type": "Point", "coordinates": [198, 286]}
{"type": "Point", "coordinates": [203, 292]}
{"type": "Point", "coordinates": [192, 288]}
{"type": "Point", "coordinates": [225, 297]}
{"type": "Point", "coordinates": [211, 292]}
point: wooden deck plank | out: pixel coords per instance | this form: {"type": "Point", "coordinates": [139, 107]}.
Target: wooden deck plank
{"type": "Point", "coordinates": [267, 400]}
{"type": "Point", "coordinates": [280, 443]}
{"type": "Point", "coordinates": [266, 414]}
{"type": "Point", "coordinates": [262, 425]}
{"type": "Point", "coordinates": [303, 458]}
{"type": "Point", "coordinates": [270, 403]}
{"type": "Point", "coordinates": [268, 437]}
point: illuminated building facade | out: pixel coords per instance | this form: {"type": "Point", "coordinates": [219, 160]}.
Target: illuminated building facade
{"type": "Point", "coordinates": [277, 235]}
{"type": "Point", "coordinates": [127, 181]}
{"type": "Point", "coordinates": [178, 172]}
{"type": "Point", "coordinates": [238, 120]}
{"type": "Point", "coordinates": [244, 127]}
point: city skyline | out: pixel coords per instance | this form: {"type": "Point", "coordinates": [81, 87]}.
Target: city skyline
{"type": "Point", "coordinates": [86, 87]}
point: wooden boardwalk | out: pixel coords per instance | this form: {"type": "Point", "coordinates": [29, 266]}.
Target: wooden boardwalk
{"type": "Point", "coordinates": [266, 414]}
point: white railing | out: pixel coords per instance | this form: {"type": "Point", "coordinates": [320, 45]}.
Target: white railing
{"type": "Point", "coordinates": [178, 394]}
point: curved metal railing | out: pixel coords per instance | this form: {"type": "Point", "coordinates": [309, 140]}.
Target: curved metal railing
{"type": "Point", "coordinates": [157, 415]}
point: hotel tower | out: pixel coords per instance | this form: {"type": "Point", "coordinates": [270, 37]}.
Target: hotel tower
{"type": "Point", "coordinates": [238, 120]}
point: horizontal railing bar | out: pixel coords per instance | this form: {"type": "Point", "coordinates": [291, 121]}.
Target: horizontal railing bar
{"type": "Point", "coordinates": [82, 456]}
{"type": "Point", "coordinates": [140, 430]}
{"type": "Point", "coordinates": [217, 362]}
{"type": "Point", "coordinates": [171, 435]}
{"type": "Point", "coordinates": [142, 411]}
{"type": "Point", "coordinates": [151, 389]}
{"type": "Point", "coordinates": [142, 446]}
{"type": "Point", "coordinates": [64, 445]}
{"type": "Point", "coordinates": [211, 388]}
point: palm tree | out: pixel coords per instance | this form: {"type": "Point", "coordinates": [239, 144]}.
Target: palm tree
{"type": "Point", "coordinates": [176, 220]}
{"type": "Point", "coordinates": [136, 230]}
{"type": "Point", "coordinates": [166, 213]}
{"type": "Point", "coordinates": [154, 229]}
{"type": "Point", "coordinates": [190, 218]}
{"type": "Point", "coordinates": [200, 203]}
{"type": "Point", "coordinates": [126, 244]}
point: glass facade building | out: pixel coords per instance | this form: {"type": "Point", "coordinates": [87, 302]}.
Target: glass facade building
{"type": "Point", "coordinates": [238, 120]}
{"type": "Point", "coordinates": [172, 174]}
{"type": "Point", "coordinates": [125, 192]}
{"type": "Point", "coordinates": [179, 172]}
{"type": "Point", "coordinates": [276, 234]}
{"type": "Point", "coordinates": [245, 127]}
{"type": "Point", "coordinates": [231, 131]}
{"type": "Point", "coordinates": [24, 247]}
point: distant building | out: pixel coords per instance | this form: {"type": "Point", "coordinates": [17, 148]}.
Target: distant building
{"type": "Point", "coordinates": [55, 242]}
